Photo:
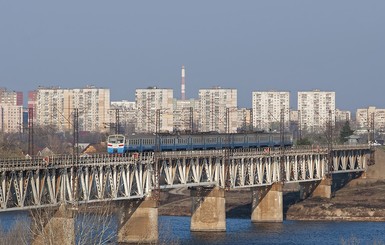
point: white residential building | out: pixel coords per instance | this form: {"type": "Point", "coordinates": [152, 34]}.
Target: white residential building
{"type": "Point", "coordinates": [59, 107]}
{"type": "Point", "coordinates": [154, 107]}
{"type": "Point", "coordinates": [125, 112]}
{"type": "Point", "coordinates": [11, 118]}
{"type": "Point", "coordinates": [315, 110]}
{"type": "Point", "coordinates": [11, 111]}
{"type": "Point", "coordinates": [218, 108]}
{"type": "Point", "coordinates": [186, 115]}
{"type": "Point", "coordinates": [269, 109]}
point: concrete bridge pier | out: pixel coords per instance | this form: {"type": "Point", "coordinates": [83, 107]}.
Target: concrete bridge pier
{"type": "Point", "coordinates": [53, 226]}
{"type": "Point", "coordinates": [267, 205]}
{"type": "Point", "coordinates": [306, 189]}
{"type": "Point", "coordinates": [138, 221]}
{"type": "Point", "coordinates": [324, 188]}
{"type": "Point", "coordinates": [208, 211]}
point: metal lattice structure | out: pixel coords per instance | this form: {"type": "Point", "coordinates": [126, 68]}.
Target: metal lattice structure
{"type": "Point", "coordinates": [44, 182]}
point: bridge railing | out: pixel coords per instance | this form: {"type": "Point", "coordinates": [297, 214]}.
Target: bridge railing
{"type": "Point", "coordinates": [100, 159]}
{"type": "Point", "coordinates": [60, 161]}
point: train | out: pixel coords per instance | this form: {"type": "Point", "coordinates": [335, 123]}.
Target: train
{"type": "Point", "coordinates": [120, 144]}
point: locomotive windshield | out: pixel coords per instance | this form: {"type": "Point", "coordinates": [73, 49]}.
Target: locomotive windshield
{"type": "Point", "coordinates": [116, 139]}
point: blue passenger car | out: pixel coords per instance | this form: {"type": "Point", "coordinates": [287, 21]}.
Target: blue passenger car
{"type": "Point", "coordinates": [200, 141]}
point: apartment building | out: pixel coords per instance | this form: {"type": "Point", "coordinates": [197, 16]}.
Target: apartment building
{"type": "Point", "coordinates": [11, 97]}
{"type": "Point", "coordinates": [123, 117]}
{"type": "Point", "coordinates": [186, 115]}
{"type": "Point", "coordinates": [11, 111]}
{"type": "Point", "coordinates": [218, 110]}
{"type": "Point", "coordinates": [244, 119]}
{"type": "Point", "coordinates": [343, 116]}
{"type": "Point", "coordinates": [316, 109]}
{"type": "Point", "coordinates": [154, 107]}
{"type": "Point", "coordinates": [366, 118]}
{"type": "Point", "coordinates": [59, 107]}
{"type": "Point", "coordinates": [270, 109]}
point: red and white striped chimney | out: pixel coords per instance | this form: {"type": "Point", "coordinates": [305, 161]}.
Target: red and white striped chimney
{"type": "Point", "coordinates": [182, 89]}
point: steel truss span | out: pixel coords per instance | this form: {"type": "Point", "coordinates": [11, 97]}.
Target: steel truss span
{"type": "Point", "coordinates": [44, 182]}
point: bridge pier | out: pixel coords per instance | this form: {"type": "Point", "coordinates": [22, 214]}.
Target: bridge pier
{"type": "Point", "coordinates": [324, 188]}
{"type": "Point", "coordinates": [138, 222]}
{"type": "Point", "coordinates": [267, 205]}
{"type": "Point", "coordinates": [208, 211]}
{"type": "Point", "coordinates": [53, 226]}
{"type": "Point", "coordinates": [306, 189]}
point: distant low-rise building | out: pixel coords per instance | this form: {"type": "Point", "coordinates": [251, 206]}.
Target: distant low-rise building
{"type": "Point", "coordinates": [371, 117]}
{"type": "Point", "coordinates": [244, 119]}
{"type": "Point", "coordinates": [342, 116]}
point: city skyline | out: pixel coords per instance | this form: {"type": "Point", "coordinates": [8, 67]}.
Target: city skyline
{"type": "Point", "coordinates": [293, 96]}
{"type": "Point", "coordinates": [156, 109]}
{"type": "Point", "coordinates": [281, 45]}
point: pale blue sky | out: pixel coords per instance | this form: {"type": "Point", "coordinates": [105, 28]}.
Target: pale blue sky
{"type": "Point", "coordinates": [250, 45]}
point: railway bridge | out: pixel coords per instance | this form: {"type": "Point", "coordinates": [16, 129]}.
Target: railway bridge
{"type": "Point", "coordinates": [64, 182]}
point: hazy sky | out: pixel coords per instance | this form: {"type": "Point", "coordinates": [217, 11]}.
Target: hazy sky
{"type": "Point", "coordinates": [249, 45]}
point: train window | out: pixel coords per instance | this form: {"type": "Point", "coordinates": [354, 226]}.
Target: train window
{"type": "Point", "coordinates": [238, 139]}
{"type": "Point", "coordinates": [211, 140]}
{"type": "Point", "coordinates": [112, 139]}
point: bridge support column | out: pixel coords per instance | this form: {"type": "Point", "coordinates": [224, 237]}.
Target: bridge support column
{"type": "Point", "coordinates": [323, 189]}
{"type": "Point", "coordinates": [208, 211]}
{"type": "Point", "coordinates": [306, 189]}
{"type": "Point", "coordinates": [138, 222]}
{"type": "Point", "coordinates": [53, 226]}
{"type": "Point", "coordinates": [267, 204]}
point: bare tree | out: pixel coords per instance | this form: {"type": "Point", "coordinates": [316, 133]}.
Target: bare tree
{"type": "Point", "coordinates": [86, 224]}
{"type": "Point", "coordinates": [9, 147]}
{"type": "Point", "coordinates": [95, 224]}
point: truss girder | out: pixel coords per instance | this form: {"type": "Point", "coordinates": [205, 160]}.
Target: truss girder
{"type": "Point", "coordinates": [30, 183]}
{"type": "Point", "coordinates": [50, 186]}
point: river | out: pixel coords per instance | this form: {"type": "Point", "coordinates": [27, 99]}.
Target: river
{"type": "Point", "coordinates": [176, 230]}
{"type": "Point", "coordinates": [242, 231]}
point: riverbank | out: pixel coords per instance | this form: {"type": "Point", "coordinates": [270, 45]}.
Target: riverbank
{"type": "Point", "coordinates": [363, 201]}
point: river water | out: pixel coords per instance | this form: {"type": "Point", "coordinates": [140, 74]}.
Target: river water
{"type": "Point", "coordinates": [242, 231]}
{"type": "Point", "coordinates": [176, 230]}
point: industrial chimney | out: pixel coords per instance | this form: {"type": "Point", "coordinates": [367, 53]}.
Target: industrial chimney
{"type": "Point", "coordinates": [182, 90]}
